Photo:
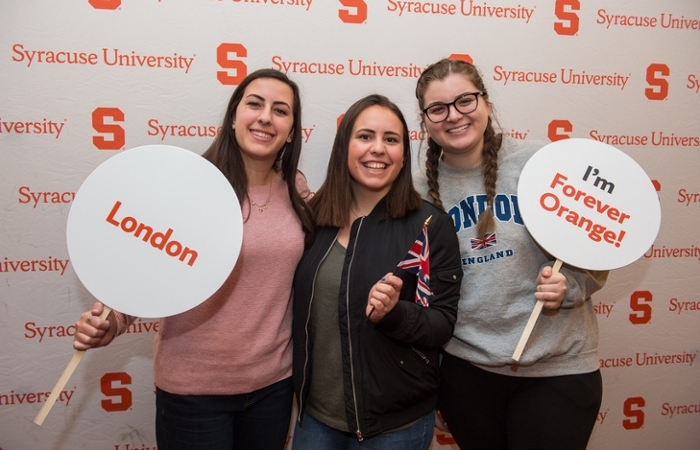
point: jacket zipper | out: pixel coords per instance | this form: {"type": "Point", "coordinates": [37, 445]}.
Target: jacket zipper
{"type": "Point", "coordinates": [421, 354]}
{"type": "Point", "coordinates": [306, 331]}
{"type": "Point", "coordinates": [358, 432]}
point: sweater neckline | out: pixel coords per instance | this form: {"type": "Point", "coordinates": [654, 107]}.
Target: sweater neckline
{"type": "Point", "coordinates": [449, 170]}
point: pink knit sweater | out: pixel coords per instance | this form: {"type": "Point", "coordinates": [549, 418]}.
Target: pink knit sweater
{"type": "Point", "coordinates": [238, 340]}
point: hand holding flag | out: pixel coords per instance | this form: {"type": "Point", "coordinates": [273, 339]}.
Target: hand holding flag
{"type": "Point", "coordinates": [417, 262]}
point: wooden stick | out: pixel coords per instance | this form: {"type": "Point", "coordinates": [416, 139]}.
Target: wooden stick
{"type": "Point", "coordinates": [533, 319]}
{"type": "Point", "coordinates": [67, 372]}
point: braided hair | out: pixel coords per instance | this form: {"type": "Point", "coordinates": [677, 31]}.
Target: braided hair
{"type": "Point", "coordinates": [492, 141]}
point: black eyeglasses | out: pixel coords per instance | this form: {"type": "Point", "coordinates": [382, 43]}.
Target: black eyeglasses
{"type": "Point", "coordinates": [465, 103]}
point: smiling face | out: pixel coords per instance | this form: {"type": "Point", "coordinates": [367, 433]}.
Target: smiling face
{"type": "Point", "coordinates": [375, 150]}
{"type": "Point", "coordinates": [461, 136]}
{"type": "Point", "coordinates": [264, 120]}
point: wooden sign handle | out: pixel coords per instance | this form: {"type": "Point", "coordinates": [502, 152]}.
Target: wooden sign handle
{"type": "Point", "coordinates": [533, 319]}
{"type": "Point", "coordinates": [67, 372]}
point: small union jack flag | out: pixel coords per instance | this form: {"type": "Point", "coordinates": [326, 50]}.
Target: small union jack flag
{"type": "Point", "coordinates": [417, 262]}
{"type": "Point", "coordinates": [489, 240]}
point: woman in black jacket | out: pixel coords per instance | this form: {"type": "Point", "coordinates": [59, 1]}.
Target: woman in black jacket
{"type": "Point", "coordinates": [366, 341]}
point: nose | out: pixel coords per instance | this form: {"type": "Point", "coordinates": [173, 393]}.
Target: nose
{"type": "Point", "coordinates": [265, 115]}
{"type": "Point", "coordinates": [377, 147]}
{"type": "Point", "coordinates": [452, 113]}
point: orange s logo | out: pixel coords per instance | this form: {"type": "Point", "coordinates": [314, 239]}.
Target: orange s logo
{"type": "Point", "coordinates": [661, 83]}
{"type": "Point", "coordinates": [556, 129]}
{"type": "Point", "coordinates": [443, 438]}
{"type": "Point", "coordinates": [360, 14]}
{"type": "Point", "coordinates": [222, 58]}
{"type": "Point", "coordinates": [105, 4]}
{"type": "Point", "coordinates": [461, 57]}
{"type": "Point", "coordinates": [124, 399]}
{"type": "Point", "coordinates": [99, 125]}
{"type": "Point", "coordinates": [635, 416]}
{"type": "Point", "coordinates": [639, 302]}
{"type": "Point", "coordinates": [569, 21]}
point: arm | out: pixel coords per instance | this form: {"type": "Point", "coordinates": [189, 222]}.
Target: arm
{"type": "Point", "coordinates": [569, 287]}
{"type": "Point", "coordinates": [581, 284]}
{"type": "Point", "coordinates": [430, 327]}
{"type": "Point", "coordinates": [92, 332]}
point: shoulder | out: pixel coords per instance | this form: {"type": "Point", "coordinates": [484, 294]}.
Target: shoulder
{"type": "Point", "coordinates": [302, 186]}
{"type": "Point", "coordinates": [518, 152]}
{"type": "Point", "coordinates": [436, 215]}
{"type": "Point", "coordinates": [429, 209]}
{"type": "Point", "coordinates": [419, 174]}
{"type": "Point", "coordinates": [420, 182]}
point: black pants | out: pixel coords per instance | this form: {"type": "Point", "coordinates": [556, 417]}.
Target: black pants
{"type": "Point", "coordinates": [486, 411]}
{"type": "Point", "coordinates": [255, 421]}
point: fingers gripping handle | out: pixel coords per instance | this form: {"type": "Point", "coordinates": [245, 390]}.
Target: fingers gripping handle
{"type": "Point", "coordinates": [60, 384]}
{"type": "Point", "coordinates": [533, 319]}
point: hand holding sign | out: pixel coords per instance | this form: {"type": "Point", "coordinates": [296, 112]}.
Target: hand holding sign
{"type": "Point", "coordinates": [589, 205]}
{"type": "Point", "coordinates": [153, 232]}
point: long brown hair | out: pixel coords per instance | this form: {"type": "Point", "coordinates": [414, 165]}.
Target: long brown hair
{"type": "Point", "coordinates": [225, 152]}
{"type": "Point", "coordinates": [332, 202]}
{"type": "Point", "coordinates": [492, 141]}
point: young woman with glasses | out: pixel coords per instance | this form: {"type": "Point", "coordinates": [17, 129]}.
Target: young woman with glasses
{"type": "Point", "coordinates": [550, 398]}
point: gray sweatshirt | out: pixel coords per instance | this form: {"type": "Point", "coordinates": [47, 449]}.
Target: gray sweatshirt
{"type": "Point", "coordinates": [497, 295]}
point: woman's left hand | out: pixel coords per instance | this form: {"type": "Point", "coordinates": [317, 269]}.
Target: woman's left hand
{"type": "Point", "coordinates": [551, 288]}
{"type": "Point", "coordinates": [383, 296]}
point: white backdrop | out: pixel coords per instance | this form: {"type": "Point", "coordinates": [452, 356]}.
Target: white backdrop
{"type": "Point", "coordinates": [84, 79]}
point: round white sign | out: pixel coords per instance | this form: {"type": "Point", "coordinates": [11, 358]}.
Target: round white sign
{"type": "Point", "coordinates": [588, 204]}
{"type": "Point", "coordinates": [154, 231]}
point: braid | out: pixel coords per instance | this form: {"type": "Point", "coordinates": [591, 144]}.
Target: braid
{"type": "Point", "coordinates": [431, 165]}
{"type": "Point", "coordinates": [492, 143]}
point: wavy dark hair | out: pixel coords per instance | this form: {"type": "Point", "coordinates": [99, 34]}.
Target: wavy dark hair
{"type": "Point", "coordinates": [332, 202]}
{"type": "Point", "coordinates": [225, 152]}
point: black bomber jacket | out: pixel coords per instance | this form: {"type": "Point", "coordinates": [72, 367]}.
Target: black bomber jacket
{"type": "Point", "coordinates": [390, 369]}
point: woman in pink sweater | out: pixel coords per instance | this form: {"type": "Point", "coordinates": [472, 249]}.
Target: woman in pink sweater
{"type": "Point", "coordinates": [223, 369]}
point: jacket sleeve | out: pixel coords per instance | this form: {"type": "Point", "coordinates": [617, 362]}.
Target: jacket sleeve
{"type": "Point", "coordinates": [431, 327]}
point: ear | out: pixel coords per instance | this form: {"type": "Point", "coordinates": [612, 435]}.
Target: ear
{"type": "Point", "coordinates": [289, 138]}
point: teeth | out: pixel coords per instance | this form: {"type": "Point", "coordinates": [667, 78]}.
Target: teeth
{"type": "Point", "coordinates": [375, 165]}
{"type": "Point", "coordinates": [261, 134]}
{"type": "Point", "coordinates": [457, 130]}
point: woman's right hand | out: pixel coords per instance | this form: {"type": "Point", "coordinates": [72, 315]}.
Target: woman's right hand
{"type": "Point", "coordinates": [383, 296]}
{"type": "Point", "coordinates": [91, 331]}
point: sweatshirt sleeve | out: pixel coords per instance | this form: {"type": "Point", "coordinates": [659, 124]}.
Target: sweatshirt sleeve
{"type": "Point", "coordinates": [581, 284]}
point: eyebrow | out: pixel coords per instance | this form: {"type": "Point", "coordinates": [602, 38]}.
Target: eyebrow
{"type": "Point", "coordinates": [279, 102]}
{"type": "Point", "coordinates": [447, 103]}
{"type": "Point", "coordinates": [370, 130]}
